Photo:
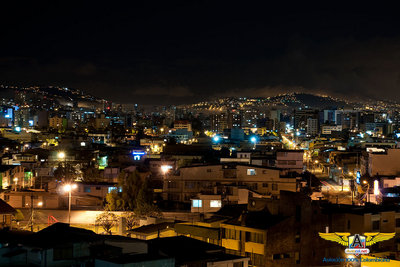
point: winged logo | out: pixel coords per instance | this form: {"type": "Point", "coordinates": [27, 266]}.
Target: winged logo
{"type": "Point", "coordinates": [341, 238]}
{"type": "Point", "coordinates": [370, 238]}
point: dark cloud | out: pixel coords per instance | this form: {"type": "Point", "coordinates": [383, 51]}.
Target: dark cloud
{"type": "Point", "coordinates": [171, 52]}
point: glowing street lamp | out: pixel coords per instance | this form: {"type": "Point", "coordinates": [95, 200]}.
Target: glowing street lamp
{"type": "Point", "coordinates": [216, 139]}
{"type": "Point", "coordinates": [61, 155]}
{"type": "Point", "coordinates": [165, 169]}
{"type": "Point", "coordinates": [253, 139]}
{"type": "Point", "coordinates": [68, 188]}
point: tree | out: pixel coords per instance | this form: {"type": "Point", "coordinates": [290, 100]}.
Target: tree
{"type": "Point", "coordinates": [131, 220]}
{"type": "Point", "coordinates": [135, 196]}
{"type": "Point", "coordinates": [107, 221]}
{"type": "Point", "coordinates": [144, 207]}
{"type": "Point", "coordinates": [124, 199]}
{"type": "Point", "coordinates": [114, 201]}
{"type": "Point", "coordinates": [65, 171]}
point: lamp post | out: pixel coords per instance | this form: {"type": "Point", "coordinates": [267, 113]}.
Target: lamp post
{"type": "Point", "coordinates": [315, 163]}
{"type": "Point", "coordinates": [253, 139]}
{"type": "Point", "coordinates": [68, 188]}
{"type": "Point", "coordinates": [39, 204]}
{"type": "Point", "coordinates": [16, 183]}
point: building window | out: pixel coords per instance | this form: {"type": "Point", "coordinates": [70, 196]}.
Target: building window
{"type": "Point", "coordinates": [172, 184]}
{"type": "Point", "coordinates": [238, 264]}
{"type": "Point", "coordinates": [297, 237]}
{"type": "Point", "coordinates": [275, 187]}
{"type": "Point", "coordinates": [264, 172]}
{"type": "Point", "coordinates": [215, 203]}
{"type": "Point", "coordinates": [251, 172]}
{"type": "Point", "coordinates": [254, 186]}
{"type": "Point", "coordinates": [397, 222]}
{"type": "Point", "coordinates": [190, 185]}
{"type": "Point", "coordinates": [110, 189]}
{"type": "Point", "coordinates": [98, 187]}
{"type": "Point", "coordinates": [209, 170]}
{"type": "Point", "coordinates": [254, 237]}
{"type": "Point", "coordinates": [297, 257]}
{"type": "Point", "coordinates": [6, 198]}
{"type": "Point", "coordinates": [86, 189]}
{"type": "Point", "coordinates": [265, 184]}
{"type": "Point", "coordinates": [231, 234]}
{"type": "Point", "coordinates": [196, 203]}
{"type": "Point", "coordinates": [375, 225]}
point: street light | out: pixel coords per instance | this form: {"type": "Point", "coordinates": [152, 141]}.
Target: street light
{"type": "Point", "coordinates": [61, 155]}
{"type": "Point", "coordinates": [68, 188]}
{"type": "Point", "coordinates": [16, 183]}
{"type": "Point", "coordinates": [165, 168]}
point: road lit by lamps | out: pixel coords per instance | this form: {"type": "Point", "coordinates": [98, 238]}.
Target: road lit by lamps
{"type": "Point", "coordinates": [68, 189]}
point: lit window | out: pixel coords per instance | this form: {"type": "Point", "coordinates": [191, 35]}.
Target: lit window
{"type": "Point", "coordinates": [111, 189]}
{"type": "Point", "coordinates": [251, 172]}
{"type": "Point", "coordinates": [196, 203]}
{"type": "Point", "coordinates": [215, 203]}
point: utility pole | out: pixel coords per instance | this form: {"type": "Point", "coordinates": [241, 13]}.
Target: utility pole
{"type": "Point", "coordinates": [31, 212]}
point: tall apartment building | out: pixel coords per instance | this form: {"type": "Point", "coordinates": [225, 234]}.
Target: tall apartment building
{"type": "Point", "coordinates": [183, 124]}
{"type": "Point", "coordinates": [219, 122]}
{"type": "Point", "coordinates": [312, 126]}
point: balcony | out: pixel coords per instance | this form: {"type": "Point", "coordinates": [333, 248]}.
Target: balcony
{"type": "Point", "coordinates": [254, 248]}
{"type": "Point", "coordinates": [231, 244]}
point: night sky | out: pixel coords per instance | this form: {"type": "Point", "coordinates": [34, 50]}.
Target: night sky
{"type": "Point", "coordinates": [182, 52]}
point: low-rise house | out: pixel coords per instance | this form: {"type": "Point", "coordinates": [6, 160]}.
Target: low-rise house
{"type": "Point", "coordinates": [25, 199]}
{"type": "Point", "coordinates": [6, 213]}
{"type": "Point", "coordinates": [151, 231]}
{"type": "Point", "coordinates": [12, 176]}
{"type": "Point", "coordinates": [187, 182]}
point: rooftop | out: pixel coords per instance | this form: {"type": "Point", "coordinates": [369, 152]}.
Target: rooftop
{"type": "Point", "coordinates": [5, 208]}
